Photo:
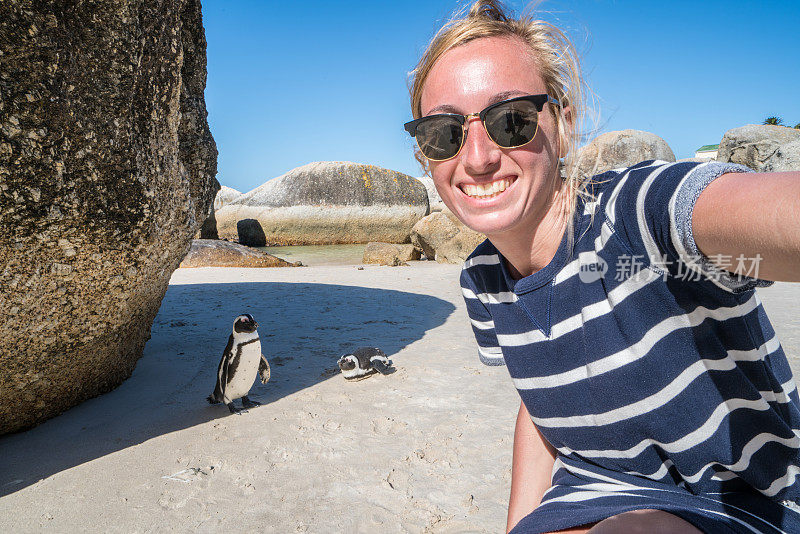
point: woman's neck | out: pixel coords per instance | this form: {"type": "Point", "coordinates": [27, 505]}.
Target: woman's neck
{"type": "Point", "coordinates": [526, 252]}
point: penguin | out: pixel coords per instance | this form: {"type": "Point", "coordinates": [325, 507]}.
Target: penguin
{"type": "Point", "coordinates": [364, 362]}
{"type": "Point", "coordinates": [241, 361]}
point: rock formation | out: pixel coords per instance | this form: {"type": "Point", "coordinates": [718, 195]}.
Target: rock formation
{"type": "Point", "coordinates": [621, 149]}
{"type": "Point", "coordinates": [434, 200]}
{"type": "Point", "coordinates": [224, 196]}
{"type": "Point", "coordinates": [390, 253]}
{"type": "Point", "coordinates": [326, 203]}
{"type": "Point", "coordinates": [107, 169]}
{"type": "Point", "coordinates": [763, 148]}
{"type": "Point", "coordinates": [215, 253]}
{"type": "Point", "coordinates": [442, 237]}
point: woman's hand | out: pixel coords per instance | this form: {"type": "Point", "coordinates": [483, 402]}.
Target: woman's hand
{"type": "Point", "coordinates": [755, 216]}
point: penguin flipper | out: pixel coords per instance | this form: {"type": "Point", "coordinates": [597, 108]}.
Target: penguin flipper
{"type": "Point", "coordinates": [382, 367]}
{"type": "Point", "coordinates": [222, 374]}
{"type": "Point", "coordinates": [264, 371]}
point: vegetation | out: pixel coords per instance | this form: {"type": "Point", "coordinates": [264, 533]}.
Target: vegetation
{"type": "Point", "coordinates": [774, 121]}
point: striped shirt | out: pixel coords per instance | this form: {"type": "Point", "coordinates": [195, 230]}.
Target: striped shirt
{"type": "Point", "coordinates": [655, 374]}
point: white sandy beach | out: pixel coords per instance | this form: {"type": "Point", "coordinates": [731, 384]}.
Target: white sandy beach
{"type": "Point", "coordinates": [426, 449]}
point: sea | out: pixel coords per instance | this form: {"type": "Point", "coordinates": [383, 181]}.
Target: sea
{"type": "Point", "coordinates": [313, 255]}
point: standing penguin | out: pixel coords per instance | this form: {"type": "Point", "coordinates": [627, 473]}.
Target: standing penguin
{"type": "Point", "coordinates": [240, 362]}
{"type": "Point", "coordinates": [363, 362]}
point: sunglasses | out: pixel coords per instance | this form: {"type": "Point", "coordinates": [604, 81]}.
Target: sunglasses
{"type": "Point", "coordinates": [509, 124]}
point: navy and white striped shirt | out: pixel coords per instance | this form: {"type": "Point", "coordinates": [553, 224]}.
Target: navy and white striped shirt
{"type": "Point", "coordinates": [656, 375]}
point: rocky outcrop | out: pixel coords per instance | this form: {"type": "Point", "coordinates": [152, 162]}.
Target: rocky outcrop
{"type": "Point", "coordinates": [107, 169]}
{"type": "Point", "coordinates": [624, 148]}
{"type": "Point", "coordinates": [442, 237]}
{"type": "Point", "coordinates": [434, 200]}
{"type": "Point", "coordinates": [224, 196]}
{"type": "Point", "coordinates": [786, 158]}
{"type": "Point", "coordinates": [390, 253]}
{"type": "Point", "coordinates": [326, 203]}
{"type": "Point", "coordinates": [215, 253]}
{"type": "Point", "coordinates": [763, 148]}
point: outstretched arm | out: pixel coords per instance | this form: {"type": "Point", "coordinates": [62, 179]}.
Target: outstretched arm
{"type": "Point", "coordinates": [531, 469]}
{"type": "Point", "coordinates": [753, 215]}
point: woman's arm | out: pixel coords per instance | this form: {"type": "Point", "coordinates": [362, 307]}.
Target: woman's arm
{"type": "Point", "coordinates": [753, 215]}
{"type": "Point", "coordinates": [531, 468]}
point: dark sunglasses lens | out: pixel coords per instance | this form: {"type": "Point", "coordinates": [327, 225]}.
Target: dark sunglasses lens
{"type": "Point", "coordinates": [439, 138]}
{"type": "Point", "coordinates": [512, 124]}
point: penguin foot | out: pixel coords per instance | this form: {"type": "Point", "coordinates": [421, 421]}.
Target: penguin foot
{"type": "Point", "coordinates": [234, 409]}
{"type": "Point", "coordinates": [248, 403]}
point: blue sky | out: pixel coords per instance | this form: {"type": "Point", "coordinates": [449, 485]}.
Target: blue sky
{"type": "Point", "coordinates": [295, 82]}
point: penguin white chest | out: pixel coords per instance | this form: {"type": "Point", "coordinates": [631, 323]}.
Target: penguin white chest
{"type": "Point", "coordinates": [241, 378]}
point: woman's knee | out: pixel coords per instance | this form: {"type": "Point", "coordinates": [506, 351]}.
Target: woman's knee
{"type": "Point", "coordinates": [645, 522]}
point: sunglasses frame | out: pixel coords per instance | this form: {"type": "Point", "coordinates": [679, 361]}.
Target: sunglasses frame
{"type": "Point", "coordinates": [537, 100]}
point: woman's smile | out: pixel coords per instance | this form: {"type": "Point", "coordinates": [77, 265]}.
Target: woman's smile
{"type": "Point", "coordinates": [486, 191]}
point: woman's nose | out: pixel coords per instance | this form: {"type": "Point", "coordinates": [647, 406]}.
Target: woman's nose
{"type": "Point", "coordinates": [479, 154]}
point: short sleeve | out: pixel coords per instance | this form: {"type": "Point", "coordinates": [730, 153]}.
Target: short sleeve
{"type": "Point", "coordinates": [489, 350]}
{"type": "Point", "coordinates": [651, 204]}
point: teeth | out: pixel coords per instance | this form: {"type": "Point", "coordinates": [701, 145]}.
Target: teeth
{"type": "Point", "coordinates": [484, 191]}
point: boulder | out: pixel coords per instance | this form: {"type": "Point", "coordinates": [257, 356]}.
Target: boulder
{"type": "Point", "coordinates": [434, 200]}
{"type": "Point", "coordinates": [224, 196]}
{"type": "Point", "coordinates": [758, 146]}
{"type": "Point", "coordinates": [390, 253]}
{"type": "Point", "coordinates": [326, 203]}
{"type": "Point", "coordinates": [107, 170]}
{"type": "Point", "coordinates": [786, 158]}
{"type": "Point", "coordinates": [215, 253]}
{"type": "Point", "coordinates": [441, 236]}
{"type": "Point", "coordinates": [624, 148]}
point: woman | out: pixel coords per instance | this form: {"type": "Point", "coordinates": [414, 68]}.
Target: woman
{"type": "Point", "coordinates": [655, 395]}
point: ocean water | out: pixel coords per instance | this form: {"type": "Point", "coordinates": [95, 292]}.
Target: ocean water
{"type": "Point", "coordinates": [319, 254]}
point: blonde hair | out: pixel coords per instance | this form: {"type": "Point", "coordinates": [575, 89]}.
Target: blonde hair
{"type": "Point", "coordinates": [556, 58]}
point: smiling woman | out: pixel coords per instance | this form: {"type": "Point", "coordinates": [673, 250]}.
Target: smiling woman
{"type": "Point", "coordinates": [655, 395]}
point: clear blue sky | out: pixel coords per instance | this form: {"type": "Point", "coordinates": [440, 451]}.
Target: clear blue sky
{"type": "Point", "coordinates": [295, 82]}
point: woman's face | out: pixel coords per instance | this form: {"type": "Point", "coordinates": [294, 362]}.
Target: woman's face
{"type": "Point", "coordinates": [465, 80]}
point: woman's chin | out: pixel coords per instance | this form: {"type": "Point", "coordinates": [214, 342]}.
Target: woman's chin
{"type": "Point", "coordinates": [488, 224]}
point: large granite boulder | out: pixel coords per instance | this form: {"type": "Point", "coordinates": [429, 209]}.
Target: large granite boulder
{"type": "Point", "coordinates": [107, 169]}
{"type": "Point", "coordinates": [326, 203]}
{"type": "Point", "coordinates": [786, 158]}
{"type": "Point", "coordinates": [216, 253]}
{"type": "Point", "coordinates": [390, 253]}
{"type": "Point", "coordinates": [225, 195]}
{"type": "Point", "coordinates": [434, 200]}
{"type": "Point", "coordinates": [442, 237]}
{"type": "Point", "coordinates": [624, 148]}
{"type": "Point", "coordinates": [761, 147]}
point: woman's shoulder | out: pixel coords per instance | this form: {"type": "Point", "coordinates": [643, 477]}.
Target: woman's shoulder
{"type": "Point", "coordinates": [482, 263]}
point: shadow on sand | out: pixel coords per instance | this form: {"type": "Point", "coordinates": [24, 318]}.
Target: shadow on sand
{"type": "Point", "coordinates": [304, 328]}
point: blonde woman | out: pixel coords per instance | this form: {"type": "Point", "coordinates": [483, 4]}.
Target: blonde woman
{"type": "Point", "coordinates": [655, 395]}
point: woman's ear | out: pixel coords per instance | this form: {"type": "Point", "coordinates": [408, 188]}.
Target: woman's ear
{"type": "Point", "coordinates": [566, 127]}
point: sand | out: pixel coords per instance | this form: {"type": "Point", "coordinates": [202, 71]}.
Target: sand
{"type": "Point", "coordinates": [426, 449]}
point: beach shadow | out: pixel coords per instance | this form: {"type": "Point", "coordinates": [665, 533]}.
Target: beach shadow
{"type": "Point", "coordinates": [304, 328]}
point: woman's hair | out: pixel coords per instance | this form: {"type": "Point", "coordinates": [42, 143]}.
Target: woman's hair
{"type": "Point", "coordinates": [554, 55]}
